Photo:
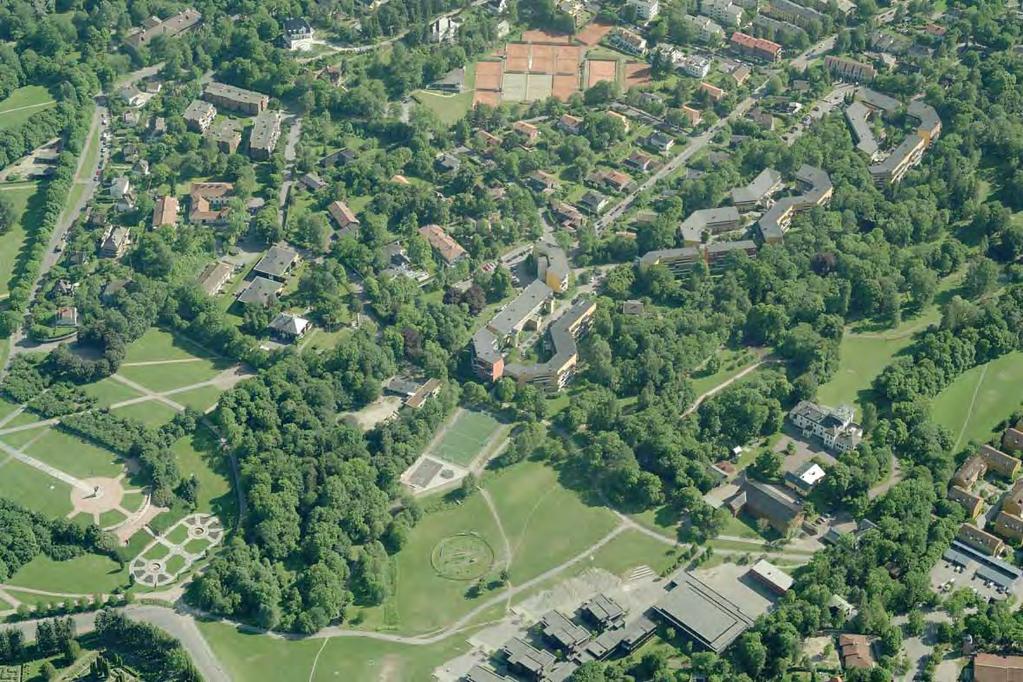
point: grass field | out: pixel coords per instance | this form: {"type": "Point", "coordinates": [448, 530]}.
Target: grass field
{"type": "Point", "coordinates": [32, 488]}
{"type": "Point", "coordinates": [22, 104]}
{"type": "Point", "coordinates": [465, 437]}
{"type": "Point", "coordinates": [201, 398]}
{"type": "Point", "coordinates": [110, 391]}
{"type": "Point", "coordinates": [85, 574]}
{"type": "Point", "coordinates": [979, 399]}
{"type": "Point", "coordinates": [167, 377]}
{"type": "Point", "coordinates": [546, 523]}
{"type": "Point", "coordinates": [199, 455]}
{"type": "Point", "coordinates": [74, 456]}
{"type": "Point", "coordinates": [157, 344]}
{"type": "Point", "coordinates": [732, 362]}
{"type": "Point", "coordinates": [151, 412]}
{"type": "Point", "coordinates": [7, 407]}
{"type": "Point", "coordinates": [257, 658]}
{"type": "Point", "coordinates": [450, 108]}
{"type": "Point", "coordinates": [27, 206]}
{"type": "Point", "coordinates": [422, 599]}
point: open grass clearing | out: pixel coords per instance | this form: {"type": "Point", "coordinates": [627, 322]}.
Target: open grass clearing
{"type": "Point", "coordinates": [7, 407]}
{"type": "Point", "coordinates": [109, 391]}
{"type": "Point", "coordinates": [85, 574]}
{"type": "Point", "coordinates": [27, 201]}
{"type": "Point", "coordinates": [75, 456]}
{"type": "Point", "coordinates": [167, 377]}
{"type": "Point", "coordinates": [35, 490]}
{"type": "Point", "coordinates": [22, 104]}
{"type": "Point", "coordinates": [973, 405]}
{"type": "Point", "coordinates": [199, 455]}
{"type": "Point", "coordinates": [157, 344]}
{"type": "Point", "coordinates": [423, 600]}
{"type": "Point", "coordinates": [202, 398]}
{"type": "Point", "coordinates": [19, 439]}
{"type": "Point", "coordinates": [150, 412]}
{"type": "Point", "coordinates": [732, 362]}
{"type": "Point", "coordinates": [546, 522]}
{"type": "Point", "coordinates": [464, 437]}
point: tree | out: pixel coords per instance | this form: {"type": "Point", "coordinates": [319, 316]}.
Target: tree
{"type": "Point", "coordinates": [981, 277]}
{"type": "Point", "coordinates": [767, 465]}
{"type": "Point", "coordinates": [752, 654]}
{"type": "Point", "coordinates": [8, 214]}
{"type": "Point", "coordinates": [49, 671]}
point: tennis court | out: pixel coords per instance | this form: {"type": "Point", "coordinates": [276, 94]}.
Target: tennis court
{"type": "Point", "coordinates": [567, 58]}
{"type": "Point", "coordinates": [465, 438]}
{"type": "Point", "coordinates": [598, 70]}
{"type": "Point", "coordinates": [539, 86]}
{"type": "Point", "coordinates": [491, 98]}
{"type": "Point", "coordinates": [540, 36]}
{"type": "Point", "coordinates": [637, 74]}
{"type": "Point", "coordinates": [488, 75]}
{"type": "Point", "coordinates": [514, 87]}
{"type": "Point", "coordinates": [564, 87]}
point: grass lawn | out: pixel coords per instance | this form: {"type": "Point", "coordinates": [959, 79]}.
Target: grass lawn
{"type": "Point", "coordinates": [19, 439]}
{"type": "Point", "coordinates": [450, 108]}
{"type": "Point", "coordinates": [150, 412]}
{"type": "Point", "coordinates": [27, 202]}
{"type": "Point", "coordinates": [629, 550]}
{"type": "Point", "coordinates": [465, 437]}
{"type": "Point", "coordinates": [732, 362]}
{"type": "Point", "coordinates": [32, 488]}
{"type": "Point", "coordinates": [75, 456]}
{"type": "Point", "coordinates": [85, 574]}
{"type": "Point", "coordinates": [162, 378]}
{"type": "Point", "coordinates": [423, 600]}
{"type": "Point", "coordinates": [111, 518]}
{"type": "Point", "coordinates": [178, 535]}
{"type": "Point", "coordinates": [199, 455]}
{"type": "Point", "coordinates": [7, 407]}
{"type": "Point", "coordinates": [157, 344]}
{"type": "Point", "coordinates": [257, 658]}
{"type": "Point", "coordinates": [546, 523]}
{"type": "Point", "coordinates": [663, 520]}
{"type": "Point", "coordinates": [740, 528]}
{"type": "Point", "coordinates": [22, 104]}
{"type": "Point", "coordinates": [979, 399]}
{"type": "Point", "coordinates": [109, 391]}
{"type": "Point", "coordinates": [156, 552]}
{"type": "Point", "coordinates": [201, 398]}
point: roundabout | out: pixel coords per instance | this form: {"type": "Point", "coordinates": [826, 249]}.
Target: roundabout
{"type": "Point", "coordinates": [465, 556]}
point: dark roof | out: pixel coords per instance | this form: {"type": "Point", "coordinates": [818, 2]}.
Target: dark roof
{"type": "Point", "coordinates": [276, 261]}
{"type": "Point", "coordinates": [261, 290]}
{"type": "Point", "coordinates": [563, 631]}
{"type": "Point", "coordinates": [704, 614]}
{"type": "Point", "coordinates": [603, 609]}
{"type": "Point", "coordinates": [771, 501]}
{"type": "Point", "coordinates": [524, 655]}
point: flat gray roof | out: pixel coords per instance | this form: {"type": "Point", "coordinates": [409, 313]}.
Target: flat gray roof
{"type": "Point", "coordinates": [520, 308]}
{"type": "Point", "coordinates": [759, 188]}
{"type": "Point", "coordinates": [523, 654]}
{"type": "Point", "coordinates": [260, 290]}
{"type": "Point", "coordinates": [265, 128]}
{"type": "Point", "coordinates": [562, 630]}
{"type": "Point", "coordinates": [704, 614]}
{"type": "Point", "coordinates": [698, 221]}
{"type": "Point", "coordinates": [234, 93]}
{"type": "Point", "coordinates": [276, 261]}
{"type": "Point", "coordinates": [898, 155]}
{"type": "Point", "coordinates": [877, 100]}
{"type": "Point", "coordinates": [856, 115]}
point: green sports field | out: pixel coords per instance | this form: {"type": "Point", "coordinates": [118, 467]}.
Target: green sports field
{"type": "Point", "coordinates": [979, 399]}
{"type": "Point", "coordinates": [465, 437]}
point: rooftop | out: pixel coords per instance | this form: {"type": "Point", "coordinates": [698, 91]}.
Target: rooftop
{"type": "Point", "coordinates": [704, 614]}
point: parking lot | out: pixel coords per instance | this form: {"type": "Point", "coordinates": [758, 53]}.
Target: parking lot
{"type": "Point", "coordinates": [947, 577]}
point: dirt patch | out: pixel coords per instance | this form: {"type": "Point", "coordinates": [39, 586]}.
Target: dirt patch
{"type": "Point", "coordinates": [390, 669]}
{"type": "Point", "coordinates": [598, 70]}
{"type": "Point", "coordinates": [593, 33]}
{"type": "Point", "coordinates": [637, 74]}
{"type": "Point", "coordinates": [539, 36]}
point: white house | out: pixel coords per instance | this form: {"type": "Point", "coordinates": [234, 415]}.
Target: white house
{"type": "Point", "coordinates": [833, 425]}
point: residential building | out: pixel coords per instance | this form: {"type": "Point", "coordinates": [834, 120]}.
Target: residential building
{"type": "Point", "coordinates": [1012, 439]}
{"type": "Point", "coordinates": [1013, 501]}
{"type": "Point", "coordinates": [692, 115]}
{"type": "Point", "coordinates": [998, 462]}
{"type": "Point", "coordinates": [910, 151]}
{"type": "Point", "coordinates": [994, 668]}
{"type": "Point", "coordinates": [1009, 525]}
{"type": "Point", "coordinates": [298, 34]}
{"type": "Point", "coordinates": [708, 31]}
{"type": "Point", "coordinates": [448, 163]}
{"type": "Point", "coordinates": [430, 389]}
{"type": "Point", "coordinates": [833, 425]}
{"type": "Point", "coordinates": [780, 30]}
{"type": "Point", "coordinates": [702, 613]}
{"type": "Point", "coordinates": [521, 313]}
{"type": "Point", "coordinates": [718, 254]}
{"type": "Point", "coordinates": [288, 328]}
{"type": "Point", "coordinates": [774, 504]}
{"type": "Point", "coordinates": [714, 255]}
{"type": "Point", "coordinates": [570, 124]}
{"type": "Point", "coordinates": [447, 248]}
{"type": "Point", "coordinates": [972, 470]}
{"type": "Point", "coordinates": [165, 212]}
{"type": "Point", "coordinates": [552, 266]}
{"type": "Point", "coordinates": [659, 141]}
{"type": "Point", "coordinates": [694, 65]}
{"type": "Point", "coordinates": [817, 191]}
{"type": "Point", "coordinates": [527, 130]}
{"type": "Point", "coordinates": [260, 291]}
{"type": "Point", "coordinates": [856, 651]}
{"type": "Point", "coordinates": [646, 9]}
{"type": "Point", "coordinates": [758, 192]}
{"type": "Point", "coordinates": [723, 12]}
{"type": "Point", "coordinates": [542, 182]}
{"type": "Point", "coordinates": [341, 157]}
{"type": "Point", "coordinates": [639, 161]}
{"type": "Point", "coordinates": [594, 202]}
{"type": "Point", "coordinates": [444, 29]}
{"type": "Point", "coordinates": [715, 93]}
{"type": "Point", "coordinates": [850, 69]}
{"type": "Point", "coordinates": [567, 215]}
{"type": "Point", "coordinates": [710, 221]}
{"type": "Point", "coordinates": [489, 140]}
{"type": "Point", "coordinates": [312, 182]}
{"type": "Point", "coordinates": [266, 131]}
{"type": "Point", "coordinates": [805, 478]}
{"type": "Point", "coordinates": [979, 539]}
{"type": "Point", "coordinates": [115, 242]}
{"type": "Point", "coordinates": [214, 276]}
{"type": "Point", "coordinates": [132, 96]}
{"type": "Point", "coordinates": [799, 15]}
{"type": "Point", "coordinates": [236, 99]}
{"type": "Point", "coordinates": [226, 135]}
{"type": "Point", "coordinates": [756, 48]}
{"type": "Point", "coordinates": [345, 218]}
{"type": "Point", "coordinates": [171, 27]}
{"type": "Point", "coordinates": [628, 41]}
{"type": "Point", "coordinates": [770, 576]}
{"type": "Point", "coordinates": [621, 117]}
{"type": "Point", "coordinates": [554, 374]}
{"type": "Point", "coordinates": [973, 504]}
{"type": "Point", "coordinates": [615, 181]}
{"type": "Point", "coordinates": [276, 263]}
{"type": "Point", "coordinates": [740, 74]}
{"type": "Point", "coordinates": [209, 201]}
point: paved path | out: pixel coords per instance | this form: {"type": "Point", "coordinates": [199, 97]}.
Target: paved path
{"type": "Point", "coordinates": [149, 363]}
{"type": "Point", "coordinates": [51, 471]}
{"type": "Point", "coordinates": [152, 395]}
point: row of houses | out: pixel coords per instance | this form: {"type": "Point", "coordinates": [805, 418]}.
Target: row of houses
{"type": "Point", "coordinates": [200, 116]}
{"type": "Point", "coordinates": [869, 104]}
{"type": "Point", "coordinates": [170, 27]}
{"type": "Point", "coordinates": [681, 260]}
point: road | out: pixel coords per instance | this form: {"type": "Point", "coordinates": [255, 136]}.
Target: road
{"type": "Point", "coordinates": [294, 133]}
{"type": "Point", "coordinates": [802, 61]}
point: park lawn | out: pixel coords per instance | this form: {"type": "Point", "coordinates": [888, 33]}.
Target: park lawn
{"type": "Point", "coordinates": [163, 378]}
{"type": "Point", "coordinates": [157, 344]}
{"type": "Point", "coordinates": [132, 501]}
{"type": "Point", "coordinates": [202, 398]}
{"type": "Point", "coordinates": [111, 518]}
{"type": "Point", "coordinates": [109, 391]}
{"type": "Point", "coordinates": [860, 359]}
{"type": "Point", "coordinates": [973, 405]}
{"type": "Point", "coordinates": [629, 550]}
{"type": "Point", "coordinates": [546, 523]}
{"type": "Point", "coordinates": [663, 520]}
{"type": "Point", "coordinates": [150, 412]}
{"type": "Point", "coordinates": [732, 362]}
{"type": "Point", "coordinates": [75, 456]}
{"type": "Point", "coordinates": [7, 408]}
{"type": "Point", "coordinates": [22, 104]}
{"type": "Point", "coordinates": [31, 488]}
{"type": "Point", "coordinates": [423, 600]}
{"type": "Point", "coordinates": [19, 439]}
{"type": "Point", "coordinates": [740, 528]}
{"type": "Point", "coordinates": [199, 455]}
{"type": "Point", "coordinates": [258, 658]}
{"type": "Point", "coordinates": [27, 202]}
{"type": "Point", "coordinates": [465, 437]}
{"type": "Point", "coordinates": [85, 574]}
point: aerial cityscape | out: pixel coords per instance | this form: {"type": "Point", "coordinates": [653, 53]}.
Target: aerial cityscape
{"type": "Point", "coordinates": [511, 340]}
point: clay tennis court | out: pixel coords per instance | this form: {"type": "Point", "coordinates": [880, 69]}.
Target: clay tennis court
{"type": "Point", "coordinates": [598, 70]}
{"type": "Point", "coordinates": [517, 57]}
{"type": "Point", "coordinates": [538, 36]}
{"type": "Point", "coordinates": [543, 59]}
{"type": "Point", "coordinates": [488, 75]}
{"type": "Point", "coordinates": [567, 58]}
{"type": "Point", "coordinates": [637, 74]}
{"type": "Point", "coordinates": [593, 33]}
{"type": "Point", "coordinates": [491, 98]}
{"type": "Point", "coordinates": [564, 87]}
